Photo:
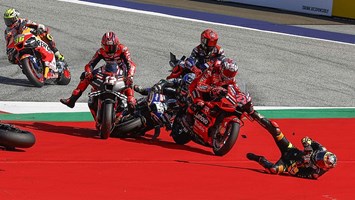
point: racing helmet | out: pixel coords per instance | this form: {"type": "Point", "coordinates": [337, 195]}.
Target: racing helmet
{"type": "Point", "coordinates": [325, 159]}
{"type": "Point", "coordinates": [11, 16]}
{"type": "Point", "coordinates": [209, 40]}
{"type": "Point", "coordinates": [187, 80]}
{"type": "Point", "coordinates": [111, 67]}
{"type": "Point", "coordinates": [229, 69]}
{"type": "Point", "coordinates": [110, 42]}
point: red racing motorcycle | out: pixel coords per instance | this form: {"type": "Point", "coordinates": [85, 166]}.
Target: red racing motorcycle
{"type": "Point", "coordinates": [30, 60]}
{"type": "Point", "coordinates": [216, 125]}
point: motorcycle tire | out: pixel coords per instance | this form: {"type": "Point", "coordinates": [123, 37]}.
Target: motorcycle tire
{"type": "Point", "coordinates": [128, 127]}
{"type": "Point", "coordinates": [107, 120]}
{"type": "Point", "coordinates": [222, 147]}
{"type": "Point", "coordinates": [12, 137]}
{"type": "Point", "coordinates": [65, 77]}
{"type": "Point", "coordinates": [32, 75]}
{"type": "Point", "coordinates": [179, 137]}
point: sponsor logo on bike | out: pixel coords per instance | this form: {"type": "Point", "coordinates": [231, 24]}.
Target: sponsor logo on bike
{"type": "Point", "coordinates": [202, 119]}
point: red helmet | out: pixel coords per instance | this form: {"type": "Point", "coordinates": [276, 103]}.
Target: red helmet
{"type": "Point", "coordinates": [110, 42]}
{"type": "Point", "coordinates": [209, 40]}
{"type": "Point", "coordinates": [229, 69]}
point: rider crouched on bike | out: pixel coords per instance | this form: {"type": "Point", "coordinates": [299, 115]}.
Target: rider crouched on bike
{"type": "Point", "coordinates": [207, 51]}
{"type": "Point", "coordinates": [14, 24]}
{"type": "Point", "coordinates": [111, 51]}
{"type": "Point", "coordinates": [311, 162]}
{"type": "Point", "coordinates": [212, 84]}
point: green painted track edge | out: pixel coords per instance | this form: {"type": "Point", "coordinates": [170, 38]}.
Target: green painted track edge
{"type": "Point", "coordinates": [274, 114]}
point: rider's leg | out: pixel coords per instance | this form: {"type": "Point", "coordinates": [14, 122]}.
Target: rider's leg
{"type": "Point", "coordinates": [77, 92]}
{"type": "Point", "coordinates": [273, 128]}
{"type": "Point", "coordinates": [272, 168]}
{"type": "Point", "coordinates": [47, 38]}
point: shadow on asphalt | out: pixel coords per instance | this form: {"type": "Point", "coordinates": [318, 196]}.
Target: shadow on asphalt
{"type": "Point", "coordinates": [16, 82]}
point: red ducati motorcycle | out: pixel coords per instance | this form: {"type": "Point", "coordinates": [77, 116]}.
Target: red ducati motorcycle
{"type": "Point", "coordinates": [216, 125]}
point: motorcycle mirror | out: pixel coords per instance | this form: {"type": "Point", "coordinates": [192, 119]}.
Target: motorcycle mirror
{"type": "Point", "coordinates": [173, 60]}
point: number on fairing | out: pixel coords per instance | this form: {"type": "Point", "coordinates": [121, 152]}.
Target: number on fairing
{"type": "Point", "coordinates": [110, 80]}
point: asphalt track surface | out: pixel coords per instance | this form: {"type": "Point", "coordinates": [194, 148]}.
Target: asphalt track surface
{"type": "Point", "coordinates": [279, 70]}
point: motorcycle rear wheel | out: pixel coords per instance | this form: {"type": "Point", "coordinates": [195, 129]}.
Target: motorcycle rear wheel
{"type": "Point", "coordinates": [222, 144]}
{"type": "Point", "coordinates": [36, 78]}
{"type": "Point", "coordinates": [107, 120]}
{"type": "Point", "coordinates": [12, 137]}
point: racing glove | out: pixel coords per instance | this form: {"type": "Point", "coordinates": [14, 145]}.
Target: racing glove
{"type": "Point", "coordinates": [218, 92]}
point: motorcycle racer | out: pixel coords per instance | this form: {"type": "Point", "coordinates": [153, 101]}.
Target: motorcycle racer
{"type": "Point", "coordinates": [207, 51]}
{"type": "Point", "coordinates": [15, 24]}
{"type": "Point", "coordinates": [311, 163]}
{"type": "Point", "coordinates": [111, 51]}
{"type": "Point", "coordinates": [180, 88]}
{"type": "Point", "coordinates": [213, 82]}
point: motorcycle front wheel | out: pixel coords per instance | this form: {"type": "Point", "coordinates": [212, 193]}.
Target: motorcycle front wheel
{"type": "Point", "coordinates": [65, 76]}
{"type": "Point", "coordinates": [222, 144]}
{"type": "Point", "coordinates": [179, 136]}
{"type": "Point", "coordinates": [34, 76]}
{"type": "Point", "coordinates": [107, 120]}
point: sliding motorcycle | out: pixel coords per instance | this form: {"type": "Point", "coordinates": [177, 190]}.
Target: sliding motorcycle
{"type": "Point", "coordinates": [153, 112]}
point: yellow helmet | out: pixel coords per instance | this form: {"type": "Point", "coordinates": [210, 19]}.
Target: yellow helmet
{"type": "Point", "coordinates": [11, 16]}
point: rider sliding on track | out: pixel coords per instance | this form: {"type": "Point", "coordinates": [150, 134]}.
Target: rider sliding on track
{"type": "Point", "coordinates": [311, 163]}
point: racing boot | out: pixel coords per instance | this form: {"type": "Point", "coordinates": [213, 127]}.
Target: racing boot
{"type": "Point", "coordinates": [140, 90]}
{"type": "Point", "coordinates": [70, 102]}
{"type": "Point", "coordinates": [260, 159]}
{"type": "Point", "coordinates": [83, 84]}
